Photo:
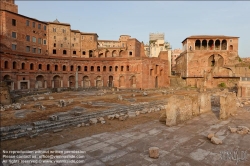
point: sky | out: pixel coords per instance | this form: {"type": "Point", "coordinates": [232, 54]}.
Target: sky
{"type": "Point", "coordinates": [176, 19]}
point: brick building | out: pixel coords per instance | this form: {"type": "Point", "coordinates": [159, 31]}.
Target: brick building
{"type": "Point", "coordinates": [37, 55]}
{"type": "Point", "coordinates": [174, 54]}
{"type": "Point", "coordinates": [211, 61]}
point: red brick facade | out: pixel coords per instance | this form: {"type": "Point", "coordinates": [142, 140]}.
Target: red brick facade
{"type": "Point", "coordinates": [37, 54]}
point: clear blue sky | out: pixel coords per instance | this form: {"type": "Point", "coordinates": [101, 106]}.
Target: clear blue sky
{"type": "Point", "coordinates": [177, 19]}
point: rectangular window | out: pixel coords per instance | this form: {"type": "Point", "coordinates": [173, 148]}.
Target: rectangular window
{"type": "Point", "coordinates": [13, 22]}
{"type": "Point", "coordinates": [34, 50]}
{"type": "Point", "coordinates": [34, 39]}
{"type": "Point", "coordinates": [44, 27]}
{"type": "Point", "coordinates": [34, 24]}
{"type": "Point", "coordinates": [44, 42]}
{"type": "Point", "coordinates": [64, 31]}
{"type": "Point", "coordinates": [72, 45]}
{"type": "Point", "coordinates": [13, 46]}
{"type": "Point", "coordinates": [39, 41]}
{"type": "Point", "coordinates": [27, 23]}
{"type": "Point", "coordinates": [39, 26]}
{"type": "Point", "coordinates": [54, 29]}
{"type": "Point", "coordinates": [27, 38]}
{"type": "Point", "coordinates": [65, 38]}
{"type": "Point", "coordinates": [54, 51]}
{"type": "Point", "coordinates": [39, 51]}
{"type": "Point", "coordinates": [61, 45]}
{"type": "Point", "coordinates": [27, 48]}
{"type": "Point", "coordinates": [13, 35]}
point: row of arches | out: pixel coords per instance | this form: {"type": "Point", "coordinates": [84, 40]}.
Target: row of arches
{"type": "Point", "coordinates": [212, 45]}
{"type": "Point", "coordinates": [49, 67]}
{"type": "Point", "coordinates": [84, 82]}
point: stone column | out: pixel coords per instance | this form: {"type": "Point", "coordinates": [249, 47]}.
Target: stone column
{"type": "Point", "coordinates": [53, 83]}
{"type": "Point", "coordinates": [45, 84]}
{"type": "Point", "coordinates": [76, 81]}
{"type": "Point", "coordinates": [61, 83]}
{"type": "Point", "coordinates": [12, 86]}
{"type": "Point", "coordinates": [68, 84]}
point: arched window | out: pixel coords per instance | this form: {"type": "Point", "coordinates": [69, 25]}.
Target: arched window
{"type": "Point", "coordinates": [64, 52]}
{"type": "Point", "coordinates": [64, 68]}
{"type": "Point", "coordinates": [40, 66]}
{"type": "Point", "coordinates": [14, 65]}
{"type": "Point", "coordinates": [48, 67]}
{"type": "Point", "coordinates": [23, 66]}
{"type": "Point", "coordinates": [6, 64]}
{"type": "Point", "coordinates": [56, 67]}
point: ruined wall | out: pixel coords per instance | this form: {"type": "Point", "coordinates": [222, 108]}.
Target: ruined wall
{"type": "Point", "coordinates": [227, 105]}
{"type": "Point", "coordinates": [183, 107]}
{"type": "Point", "coordinates": [4, 94]}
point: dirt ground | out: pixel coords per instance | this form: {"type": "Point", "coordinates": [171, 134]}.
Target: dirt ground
{"type": "Point", "coordinates": [49, 138]}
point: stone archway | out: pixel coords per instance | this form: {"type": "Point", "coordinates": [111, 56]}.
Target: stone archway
{"type": "Point", "coordinates": [86, 82]}
{"type": "Point", "coordinates": [110, 82]}
{"type": "Point", "coordinates": [114, 53]}
{"type": "Point", "coordinates": [72, 81]}
{"type": "Point", "coordinates": [121, 81]}
{"type": "Point", "coordinates": [133, 82]}
{"type": "Point", "coordinates": [39, 81]}
{"type": "Point", "coordinates": [99, 82]}
{"type": "Point", "coordinates": [57, 81]}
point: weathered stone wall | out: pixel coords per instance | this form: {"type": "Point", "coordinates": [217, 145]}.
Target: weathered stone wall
{"type": "Point", "coordinates": [179, 109]}
{"type": "Point", "coordinates": [4, 94]}
{"type": "Point", "coordinates": [183, 107]}
{"type": "Point", "coordinates": [227, 105]}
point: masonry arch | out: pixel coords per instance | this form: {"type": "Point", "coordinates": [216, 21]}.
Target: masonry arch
{"type": "Point", "coordinates": [14, 65]}
{"type": "Point", "coordinates": [231, 48]}
{"type": "Point", "coordinates": [99, 82]}
{"type": "Point", "coordinates": [122, 81]}
{"type": "Point", "coordinates": [6, 65]}
{"type": "Point", "coordinates": [114, 53]}
{"type": "Point", "coordinates": [8, 80]}
{"type": "Point", "coordinates": [72, 81]}
{"type": "Point", "coordinates": [211, 61]}
{"type": "Point", "coordinates": [133, 82]}
{"type": "Point", "coordinates": [204, 45]}
{"type": "Point", "coordinates": [217, 44]}
{"type": "Point", "coordinates": [39, 81]}
{"type": "Point", "coordinates": [211, 45]}
{"type": "Point", "coordinates": [220, 62]}
{"type": "Point", "coordinates": [197, 45]}
{"type": "Point", "coordinates": [31, 66]}
{"type": "Point", "coordinates": [57, 81]}
{"type": "Point", "coordinates": [110, 82]}
{"type": "Point", "coordinates": [86, 82]}
{"type": "Point", "coordinates": [224, 45]}
{"type": "Point", "coordinates": [121, 53]}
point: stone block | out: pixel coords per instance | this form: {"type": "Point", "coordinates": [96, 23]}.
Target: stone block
{"type": "Point", "coordinates": [154, 152]}
{"type": "Point", "coordinates": [131, 114]}
{"type": "Point", "coordinates": [216, 141]}
{"type": "Point", "coordinates": [93, 121]}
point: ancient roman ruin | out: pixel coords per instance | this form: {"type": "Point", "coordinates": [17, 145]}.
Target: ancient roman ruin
{"type": "Point", "coordinates": [65, 89]}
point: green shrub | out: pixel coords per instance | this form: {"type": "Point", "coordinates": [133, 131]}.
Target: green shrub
{"type": "Point", "coordinates": [222, 85]}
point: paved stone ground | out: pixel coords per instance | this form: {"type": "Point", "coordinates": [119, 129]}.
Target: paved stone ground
{"type": "Point", "coordinates": [182, 145]}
